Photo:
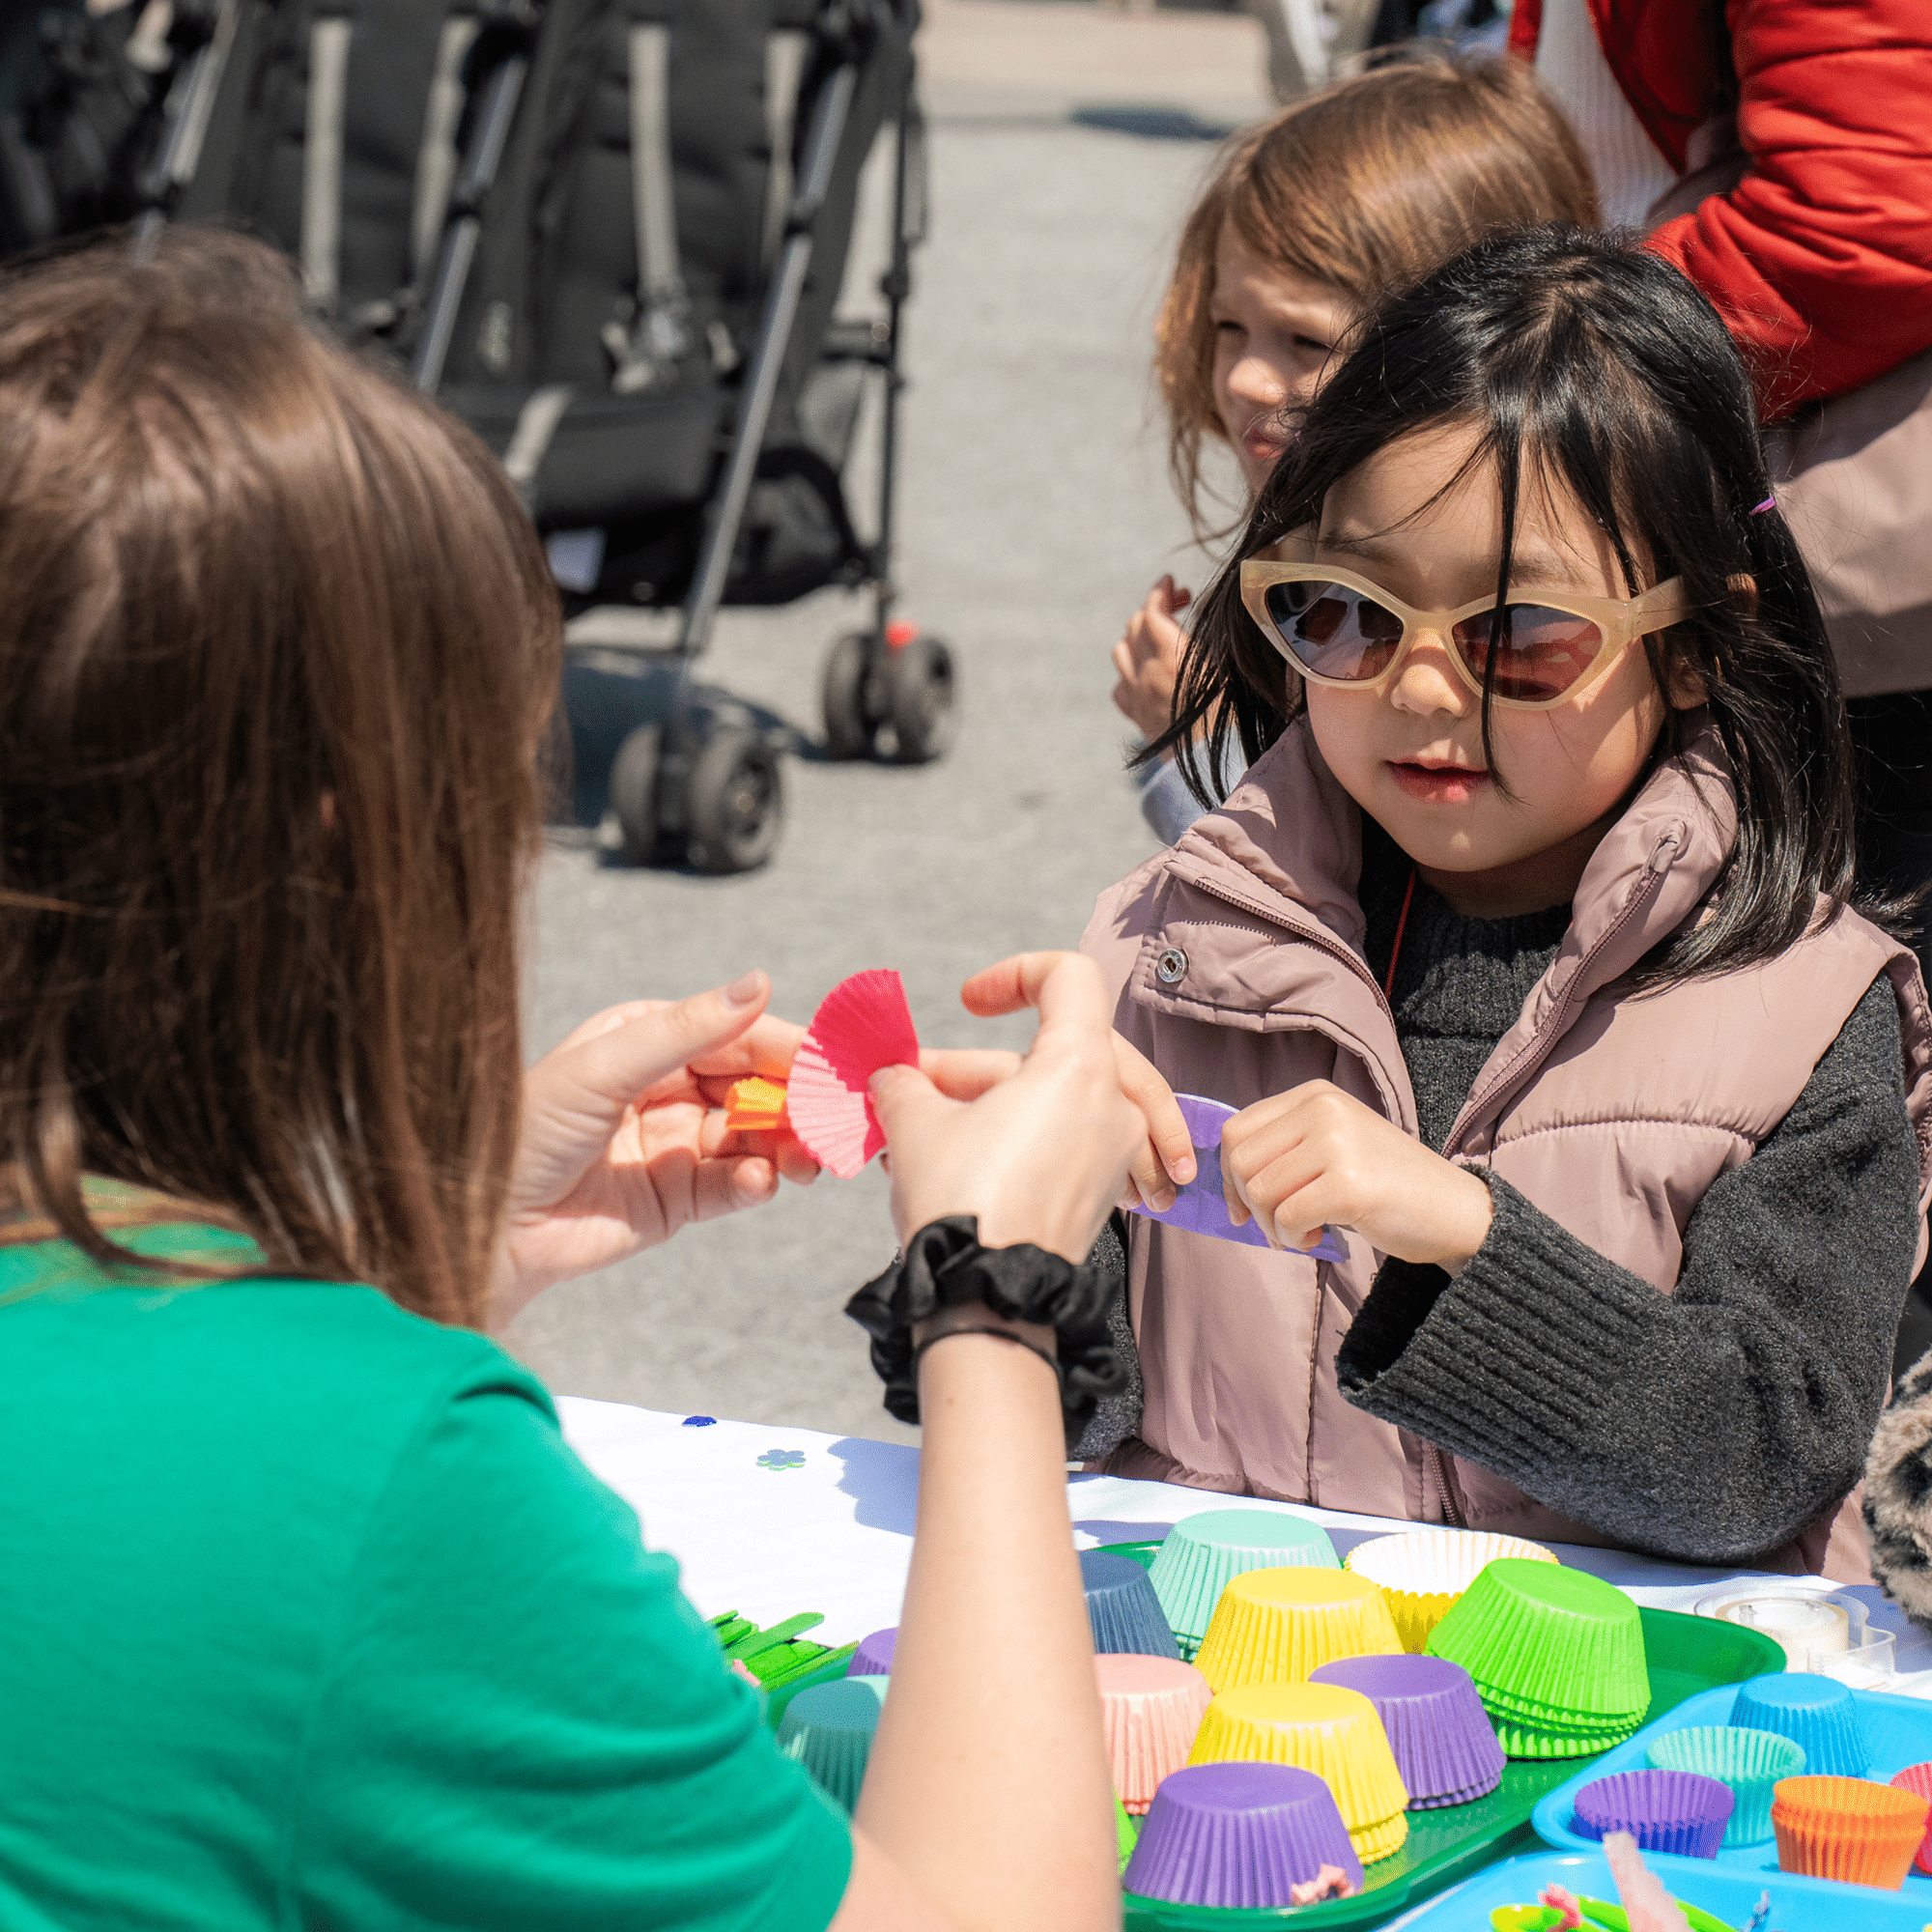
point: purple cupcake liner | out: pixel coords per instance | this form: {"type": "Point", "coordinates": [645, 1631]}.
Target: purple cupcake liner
{"type": "Point", "coordinates": [1675, 1811]}
{"type": "Point", "coordinates": [1238, 1834]}
{"type": "Point", "coordinates": [1817, 1712]}
{"type": "Point", "coordinates": [875, 1656]}
{"type": "Point", "coordinates": [1121, 1607]}
{"type": "Point", "coordinates": [1445, 1747]}
{"type": "Point", "coordinates": [1466, 1796]}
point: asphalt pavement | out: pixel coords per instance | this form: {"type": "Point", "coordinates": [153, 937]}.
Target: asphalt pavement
{"type": "Point", "coordinates": [1067, 141]}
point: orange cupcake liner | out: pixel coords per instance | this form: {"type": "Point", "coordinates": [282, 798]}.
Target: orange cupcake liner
{"type": "Point", "coordinates": [1847, 1829]}
{"type": "Point", "coordinates": [754, 1104]}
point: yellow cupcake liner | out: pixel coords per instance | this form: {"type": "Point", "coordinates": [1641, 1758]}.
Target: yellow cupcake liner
{"type": "Point", "coordinates": [1421, 1573]}
{"type": "Point", "coordinates": [1278, 1626]}
{"type": "Point", "coordinates": [1380, 1841]}
{"type": "Point", "coordinates": [1325, 1728]}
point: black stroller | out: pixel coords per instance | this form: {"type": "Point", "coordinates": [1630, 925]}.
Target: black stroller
{"type": "Point", "coordinates": [611, 234]}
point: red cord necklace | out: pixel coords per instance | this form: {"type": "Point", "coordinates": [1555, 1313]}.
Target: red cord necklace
{"type": "Point", "coordinates": [1394, 950]}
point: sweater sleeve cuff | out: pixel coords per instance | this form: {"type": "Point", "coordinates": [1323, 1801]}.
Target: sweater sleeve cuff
{"type": "Point", "coordinates": [1489, 1361]}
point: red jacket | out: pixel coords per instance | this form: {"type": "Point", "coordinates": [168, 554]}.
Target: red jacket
{"type": "Point", "coordinates": [1821, 257]}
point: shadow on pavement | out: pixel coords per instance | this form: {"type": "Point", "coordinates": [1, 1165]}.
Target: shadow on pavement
{"type": "Point", "coordinates": [1151, 124]}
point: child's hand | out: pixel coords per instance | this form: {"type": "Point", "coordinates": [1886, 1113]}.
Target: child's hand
{"type": "Point", "coordinates": [1147, 659]}
{"type": "Point", "coordinates": [1314, 1156]}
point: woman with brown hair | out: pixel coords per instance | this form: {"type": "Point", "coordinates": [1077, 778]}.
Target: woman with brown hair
{"type": "Point", "coordinates": [1310, 216]}
{"type": "Point", "coordinates": [313, 1619]}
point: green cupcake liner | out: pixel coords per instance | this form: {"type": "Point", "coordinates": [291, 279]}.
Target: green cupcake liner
{"type": "Point", "coordinates": [1750, 1762]}
{"type": "Point", "coordinates": [1550, 1637]}
{"type": "Point", "coordinates": [1520, 1742]}
{"type": "Point", "coordinates": [1203, 1553]}
{"type": "Point", "coordinates": [1556, 1717]}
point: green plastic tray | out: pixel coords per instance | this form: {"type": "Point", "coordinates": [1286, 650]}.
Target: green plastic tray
{"type": "Point", "coordinates": [1684, 1655]}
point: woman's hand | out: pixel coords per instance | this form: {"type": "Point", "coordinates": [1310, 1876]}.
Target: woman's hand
{"type": "Point", "coordinates": [1040, 1157]}
{"type": "Point", "coordinates": [1147, 659]}
{"type": "Point", "coordinates": [1164, 1160]}
{"type": "Point", "coordinates": [1315, 1156]}
{"type": "Point", "coordinates": [623, 1137]}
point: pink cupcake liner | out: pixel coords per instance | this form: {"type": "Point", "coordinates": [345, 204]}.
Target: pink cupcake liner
{"type": "Point", "coordinates": [1151, 1708]}
{"type": "Point", "coordinates": [862, 1025]}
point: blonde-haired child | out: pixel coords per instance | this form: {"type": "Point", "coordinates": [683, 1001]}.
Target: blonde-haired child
{"type": "Point", "coordinates": [1309, 216]}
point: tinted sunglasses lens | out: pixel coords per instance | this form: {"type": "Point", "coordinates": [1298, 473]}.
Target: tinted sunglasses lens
{"type": "Point", "coordinates": [1540, 652]}
{"type": "Point", "coordinates": [1331, 630]}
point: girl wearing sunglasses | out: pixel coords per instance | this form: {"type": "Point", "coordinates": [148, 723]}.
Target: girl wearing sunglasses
{"type": "Point", "coordinates": [1525, 951]}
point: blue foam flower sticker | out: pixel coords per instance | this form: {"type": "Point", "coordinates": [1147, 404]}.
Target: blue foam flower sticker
{"type": "Point", "coordinates": [782, 1458]}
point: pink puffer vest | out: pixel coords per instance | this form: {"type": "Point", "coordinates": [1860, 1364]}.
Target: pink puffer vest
{"type": "Point", "coordinates": [1235, 958]}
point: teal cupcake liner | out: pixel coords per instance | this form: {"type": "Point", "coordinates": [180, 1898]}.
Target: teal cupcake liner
{"type": "Point", "coordinates": [828, 1728]}
{"type": "Point", "coordinates": [1203, 1553]}
{"type": "Point", "coordinates": [1750, 1762]}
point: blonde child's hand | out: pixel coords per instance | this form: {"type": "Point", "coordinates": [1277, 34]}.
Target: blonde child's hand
{"type": "Point", "coordinates": [1316, 1157]}
{"type": "Point", "coordinates": [1147, 660]}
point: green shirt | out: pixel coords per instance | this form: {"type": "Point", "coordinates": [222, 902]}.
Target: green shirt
{"type": "Point", "coordinates": [309, 1617]}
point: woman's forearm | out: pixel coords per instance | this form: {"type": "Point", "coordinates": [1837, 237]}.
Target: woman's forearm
{"type": "Point", "coordinates": [988, 1784]}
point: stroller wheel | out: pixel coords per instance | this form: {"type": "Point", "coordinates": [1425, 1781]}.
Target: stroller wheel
{"type": "Point", "coordinates": [851, 723]}
{"type": "Point", "coordinates": [736, 802]}
{"type": "Point", "coordinates": [920, 701]}
{"type": "Point", "coordinates": [634, 794]}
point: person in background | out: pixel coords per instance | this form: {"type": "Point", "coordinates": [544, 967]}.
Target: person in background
{"type": "Point", "coordinates": [1529, 954]}
{"type": "Point", "coordinates": [313, 1617]}
{"type": "Point", "coordinates": [1308, 217]}
{"type": "Point", "coordinates": [1782, 156]}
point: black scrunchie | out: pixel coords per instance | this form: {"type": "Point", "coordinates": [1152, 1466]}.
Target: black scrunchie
{"type": "Point", "coordinates": [945, 1266]}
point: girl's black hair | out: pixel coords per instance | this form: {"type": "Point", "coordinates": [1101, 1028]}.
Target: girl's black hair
{"type": "Point", "coordinates": [1592, 363]}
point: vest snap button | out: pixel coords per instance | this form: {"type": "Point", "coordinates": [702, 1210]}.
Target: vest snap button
{"type": "Point", "coordinates": [1171, 967]}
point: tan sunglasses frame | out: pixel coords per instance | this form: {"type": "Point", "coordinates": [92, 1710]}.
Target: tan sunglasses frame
{"type": "Point", "coordinates": [1621, 620]}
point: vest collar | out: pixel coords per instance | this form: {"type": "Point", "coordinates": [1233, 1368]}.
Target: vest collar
{"type": "Point", "coordinates": [1289, 843]}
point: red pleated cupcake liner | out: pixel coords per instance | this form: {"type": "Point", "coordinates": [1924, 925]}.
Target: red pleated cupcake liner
{"type": "Point", "coordinates": [862, 1025]}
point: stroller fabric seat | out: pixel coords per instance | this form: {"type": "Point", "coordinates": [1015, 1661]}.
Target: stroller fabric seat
{"type": "Point", "coordinates": [580, 454]}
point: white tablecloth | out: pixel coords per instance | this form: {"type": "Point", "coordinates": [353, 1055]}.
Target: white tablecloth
{"type": "Point", "coordinates": [769, 1520]}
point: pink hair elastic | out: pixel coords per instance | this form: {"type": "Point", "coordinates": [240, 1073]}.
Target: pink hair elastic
{"type": "Point", "coordinates": [1769, 503]}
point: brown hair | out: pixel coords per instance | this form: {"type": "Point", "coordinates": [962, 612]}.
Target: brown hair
{"type": "Point", "coordinates": [1365, 187]}
{"type": "Point", "coordinates": [276, 652]}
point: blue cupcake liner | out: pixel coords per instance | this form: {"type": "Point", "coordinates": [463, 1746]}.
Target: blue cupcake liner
{"type": "Point", "coordinates": [1121, 1607]}
{"type": "Point", "coordinates": [1818, 1714]}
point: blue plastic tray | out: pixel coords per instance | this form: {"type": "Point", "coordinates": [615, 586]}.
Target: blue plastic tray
{"type": "Point", "coordinates": [1796, 1904]}
{"type": "Point", "coordinates": [1900, 1731]}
